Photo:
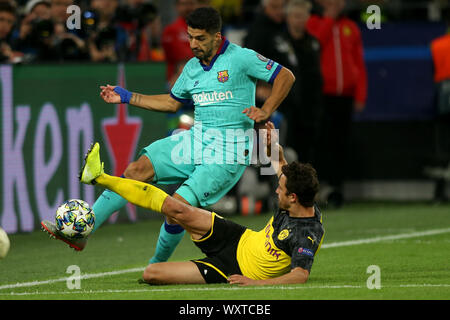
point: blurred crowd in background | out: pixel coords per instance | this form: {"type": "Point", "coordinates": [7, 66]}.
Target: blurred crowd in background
{"type": "Point", "coordinates": [132, 30]}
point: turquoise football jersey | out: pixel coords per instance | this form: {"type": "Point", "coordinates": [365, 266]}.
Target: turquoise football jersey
{"type": "Point", "coordinates": [220, 92]}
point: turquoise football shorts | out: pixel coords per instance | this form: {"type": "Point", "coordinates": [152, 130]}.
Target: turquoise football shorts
{"type": "Point", "coordinates": [202, 184]}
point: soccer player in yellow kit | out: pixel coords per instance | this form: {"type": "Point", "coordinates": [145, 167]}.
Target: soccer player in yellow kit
{"type": "Point", "coordinates": [281, 253]}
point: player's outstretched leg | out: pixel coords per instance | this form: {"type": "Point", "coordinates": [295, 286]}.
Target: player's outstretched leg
{"type": "Point", "coordinates": [91, 169]}
{"type": "Point", "coordinates": [137, 192]}
{"type": "Point", "coordinates": [108, 202]}
{"type": "Point", "coordinates": [170, 234]}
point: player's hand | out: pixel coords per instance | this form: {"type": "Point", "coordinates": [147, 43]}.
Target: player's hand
{"type": "Point", "coordinates": [108, 94]}
{"type": "Point", "coordinates": [272, 137]}
{"type": "Point", "coordinates": [241, 280]}
{"type": "Point", "coordinates": [256, 114]}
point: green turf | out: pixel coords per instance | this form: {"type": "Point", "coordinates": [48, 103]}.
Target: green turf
{"type": "Point", "coordinates": [411, 268]}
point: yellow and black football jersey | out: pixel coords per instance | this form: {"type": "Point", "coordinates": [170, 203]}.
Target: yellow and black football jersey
{"type": "Point", "coordinates": [285, 243]}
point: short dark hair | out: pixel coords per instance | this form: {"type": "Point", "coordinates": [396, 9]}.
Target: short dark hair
{"type": "Point", "coordinates": [302, 180]}
{"type": "Point", "coordinates": [7, 6]}
{"type": "Point", "coordinates": [205, 18]}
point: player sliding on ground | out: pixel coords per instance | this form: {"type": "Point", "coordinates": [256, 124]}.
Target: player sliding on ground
{"type": "Point", "coordinates": [221, 81]}
{"type": "Point", "coordinates": [281, 253]}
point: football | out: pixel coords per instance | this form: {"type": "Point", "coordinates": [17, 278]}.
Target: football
{"type": "Point", "coordinates": [4, 243]}
{"type": "Point", "coordinates": [75, 218]}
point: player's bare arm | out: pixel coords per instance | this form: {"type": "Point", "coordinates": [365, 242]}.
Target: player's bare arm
{"type": "Point", "coordinates": [161, 102]}
{"type": "Point", "coordinates": [281, 87]}
{"type": "Point", "coordinates": [296, 276]}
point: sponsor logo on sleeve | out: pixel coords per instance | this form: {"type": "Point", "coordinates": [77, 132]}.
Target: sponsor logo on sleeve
{"type": "Point", "coordinates": [262, 58]}
{"type": "Point", "coordinates": [269, 64]}
{"type": "Point", "coordinates": [306, 252]}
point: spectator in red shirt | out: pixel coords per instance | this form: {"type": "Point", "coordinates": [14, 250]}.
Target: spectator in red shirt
{"type": "Point", "coordinates": [345, 86]}
{"type": "Point", "coordinates": [440, 53]}
{"type": "Point", "coordinates": [175, 41]}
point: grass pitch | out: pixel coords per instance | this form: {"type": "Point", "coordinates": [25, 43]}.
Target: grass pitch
{"type": "Point", "coordinates": [409, 244]}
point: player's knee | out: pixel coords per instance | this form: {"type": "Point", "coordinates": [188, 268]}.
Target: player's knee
{"type": "Point", "coordinates": [138, 170]}
{"type": "Point", "coordinates": [153, 274]}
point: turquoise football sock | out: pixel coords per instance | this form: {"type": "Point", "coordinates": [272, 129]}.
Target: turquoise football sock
{"type": "Point", "coordinates": [108, 203]}
{"type": "Point", "coordinates": [170, 236]}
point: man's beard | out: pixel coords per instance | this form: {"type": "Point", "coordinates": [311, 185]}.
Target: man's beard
{"type": "Point", "coordinates": [202, 55]}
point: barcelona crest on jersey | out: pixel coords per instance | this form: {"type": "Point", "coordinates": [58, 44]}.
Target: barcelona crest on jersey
{"type": "Point", "coordinates": [222, 76]}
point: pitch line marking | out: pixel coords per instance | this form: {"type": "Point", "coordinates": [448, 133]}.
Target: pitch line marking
{"type": "Point", "coordinates": [386, 238]}
{"type": "Point", "coordinates": [424, 285]}
{"type": "Point", "coordinates": [82, 277]}
{"type": "Point", "coordinates": [324, 246]}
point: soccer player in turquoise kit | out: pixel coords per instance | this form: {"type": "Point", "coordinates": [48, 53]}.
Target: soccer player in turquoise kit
{"type": "Point", "coordinates": [221, 81]}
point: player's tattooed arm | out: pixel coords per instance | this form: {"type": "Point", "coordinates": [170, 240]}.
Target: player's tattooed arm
{"type": "Point", "coordinates": [135, 99]}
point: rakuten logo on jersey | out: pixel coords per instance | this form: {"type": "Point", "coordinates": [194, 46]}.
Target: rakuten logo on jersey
{"type": "Point", "coordinates": [206, 98]}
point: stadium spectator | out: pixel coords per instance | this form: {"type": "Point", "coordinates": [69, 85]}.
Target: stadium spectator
{"type": "Point", "coordinates": [7, 21]}
{"type": "Point", "coordinates": [142, 23]}
{"type": "Point", "coordinates": [38, 9]}
{"type": "Point", "coordinates": [175, 41]}
{"type": "Point", "coordinates": [300, 52]}
{"type": "Point", "coordinates": [58, 10]}
{"type": "Point", "coordinates": [262, 36]}
{"type": "Point", "coordinates": [68, 44]}
{"type": "Point", "coordinates": [281, 253]}
{"type": "Point", "coordinates": [34, 24]}
{"type": "Point", "coordinates": [267, 24]}
{"type": "Point", "coordinates": [43, 34]}
{"type": "Point", "coordinates": [106, 40]}
{"type": "Point", "coordinates": [263, 33]}
{"type": "Point", "coordinates": [440, 51]}
{"type": "Point", "coordinates": [345, 88]}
